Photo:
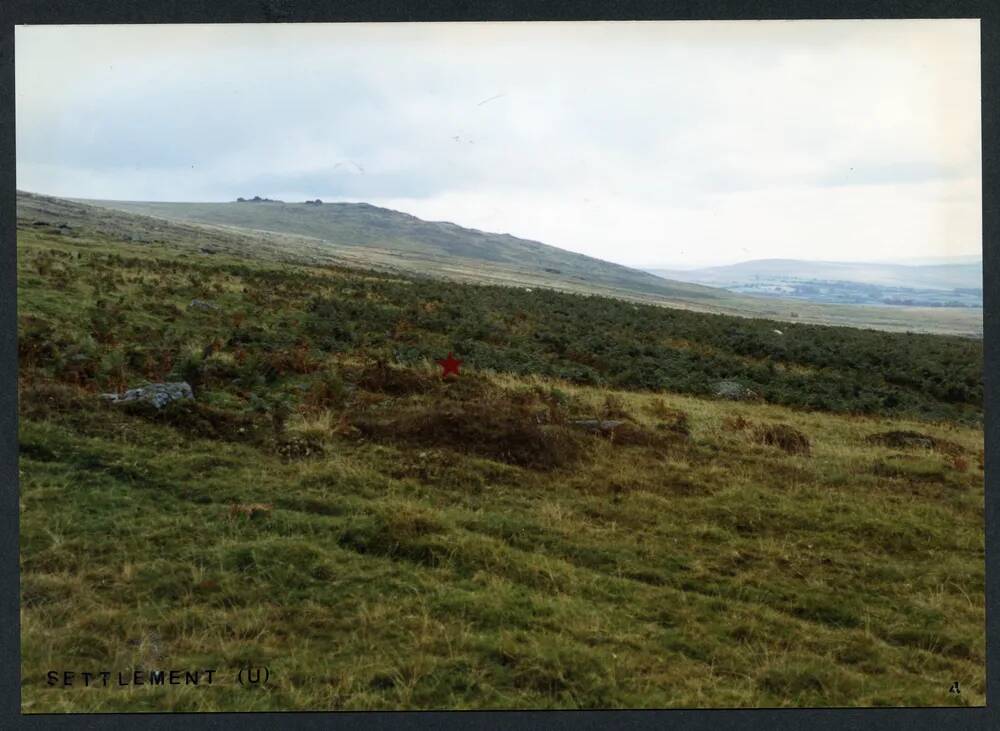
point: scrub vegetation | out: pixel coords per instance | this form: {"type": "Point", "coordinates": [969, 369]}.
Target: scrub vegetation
{"type": "Point", "coordinates": [381, 538]}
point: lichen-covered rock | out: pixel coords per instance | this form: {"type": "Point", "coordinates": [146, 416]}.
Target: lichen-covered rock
{"type": "Point", "coordinates": [734, 390]}
{"type": "Point", "coordinates": [157, 394]}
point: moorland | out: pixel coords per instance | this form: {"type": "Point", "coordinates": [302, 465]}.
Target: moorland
{"type": "Point", "coordinates": [579, 519]}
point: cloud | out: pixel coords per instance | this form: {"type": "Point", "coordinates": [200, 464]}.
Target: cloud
{"type": "Point", "coordinates": [643, 143]}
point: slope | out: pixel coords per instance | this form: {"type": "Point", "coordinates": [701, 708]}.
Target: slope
{"type": "Point", "coordinates": [461, 543]}
{"type": "Point", "coordinates": [364, 225]}
{"type": "Point", "coordinates": [364, 236]}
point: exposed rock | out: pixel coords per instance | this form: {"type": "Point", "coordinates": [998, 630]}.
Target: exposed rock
{"type": "Point", "coordinates": [257, 199]}
{"type": "Point", "coordinates": [197, 304]}
{"type": "Point", "coordinates": [157, 394]}
{"type": "Point", "coordinates": [734, 390]}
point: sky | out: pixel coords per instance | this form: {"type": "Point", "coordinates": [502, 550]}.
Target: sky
{"type": "Point", "coordinates": [650, 144]}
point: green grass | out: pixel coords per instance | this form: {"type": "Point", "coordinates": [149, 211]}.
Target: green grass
{"type": "Point", "coordinates": [420, 553]}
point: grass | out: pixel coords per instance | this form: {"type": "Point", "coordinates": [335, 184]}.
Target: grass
{"type": "Point", "coordinates": [722, 573]}
{"type": "Point", "coordinates": [456, 544]}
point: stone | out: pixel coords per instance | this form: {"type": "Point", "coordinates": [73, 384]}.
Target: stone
{"type": "Point", "coordinates": [733, 390]}
{"type": "Point", "coordinates": [157, 394]}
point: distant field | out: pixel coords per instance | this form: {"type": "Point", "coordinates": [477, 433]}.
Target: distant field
{"type": "Point", "coordinates": [466, 544]}
{"type": "Point", "coordinates": [953, 284]}
{"type": "Point", "coordinates": [944, 274]}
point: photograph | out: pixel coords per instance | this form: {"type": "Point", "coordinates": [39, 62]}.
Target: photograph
{"type": "Point", "coordinates": [500, 365]}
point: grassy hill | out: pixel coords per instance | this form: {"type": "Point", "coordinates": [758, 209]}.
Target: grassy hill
{"type": "Point", "coordinates": [467, 543]}
{"type": "Point", "coordinates": [360, 225]}
{"type": "Point", "coordinates": [365, 235]}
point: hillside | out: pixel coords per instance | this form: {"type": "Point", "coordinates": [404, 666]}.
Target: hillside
{"type": "Point", "coordinates": [365, 235]}
{"type": "Point", "coordinates": [471, 543]}
{"type": "Point", "coordinates": [360, 225]}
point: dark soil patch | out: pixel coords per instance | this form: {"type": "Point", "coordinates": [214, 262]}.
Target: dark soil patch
{"type": "Point", "coordinates": [491, 428]}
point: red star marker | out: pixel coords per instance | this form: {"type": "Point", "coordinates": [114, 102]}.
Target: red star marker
{"type": "Point", "coordinates": [450, 365]}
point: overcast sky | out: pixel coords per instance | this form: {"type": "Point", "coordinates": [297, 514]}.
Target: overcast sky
{"type": "Point", "coordinates": [648, 144]}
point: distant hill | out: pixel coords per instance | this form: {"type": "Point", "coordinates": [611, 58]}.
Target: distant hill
{"type": "Point", "coordinates": [920, 260]}
{"type": "Point", "coordinates": [946, 275]}
{"type": "Point", "coordinates": [365, 236]}
{"type": "Point", "coordinates": [361, 225]}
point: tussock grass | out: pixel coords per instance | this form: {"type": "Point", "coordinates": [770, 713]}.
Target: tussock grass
{"type": "Point", "coordinates": [318, 427]}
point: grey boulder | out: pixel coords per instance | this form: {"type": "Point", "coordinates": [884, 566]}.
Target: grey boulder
{"type": "Point", "coordinates": [157, 394]}
{"type": "Point", "coordinates": [733, 390]}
